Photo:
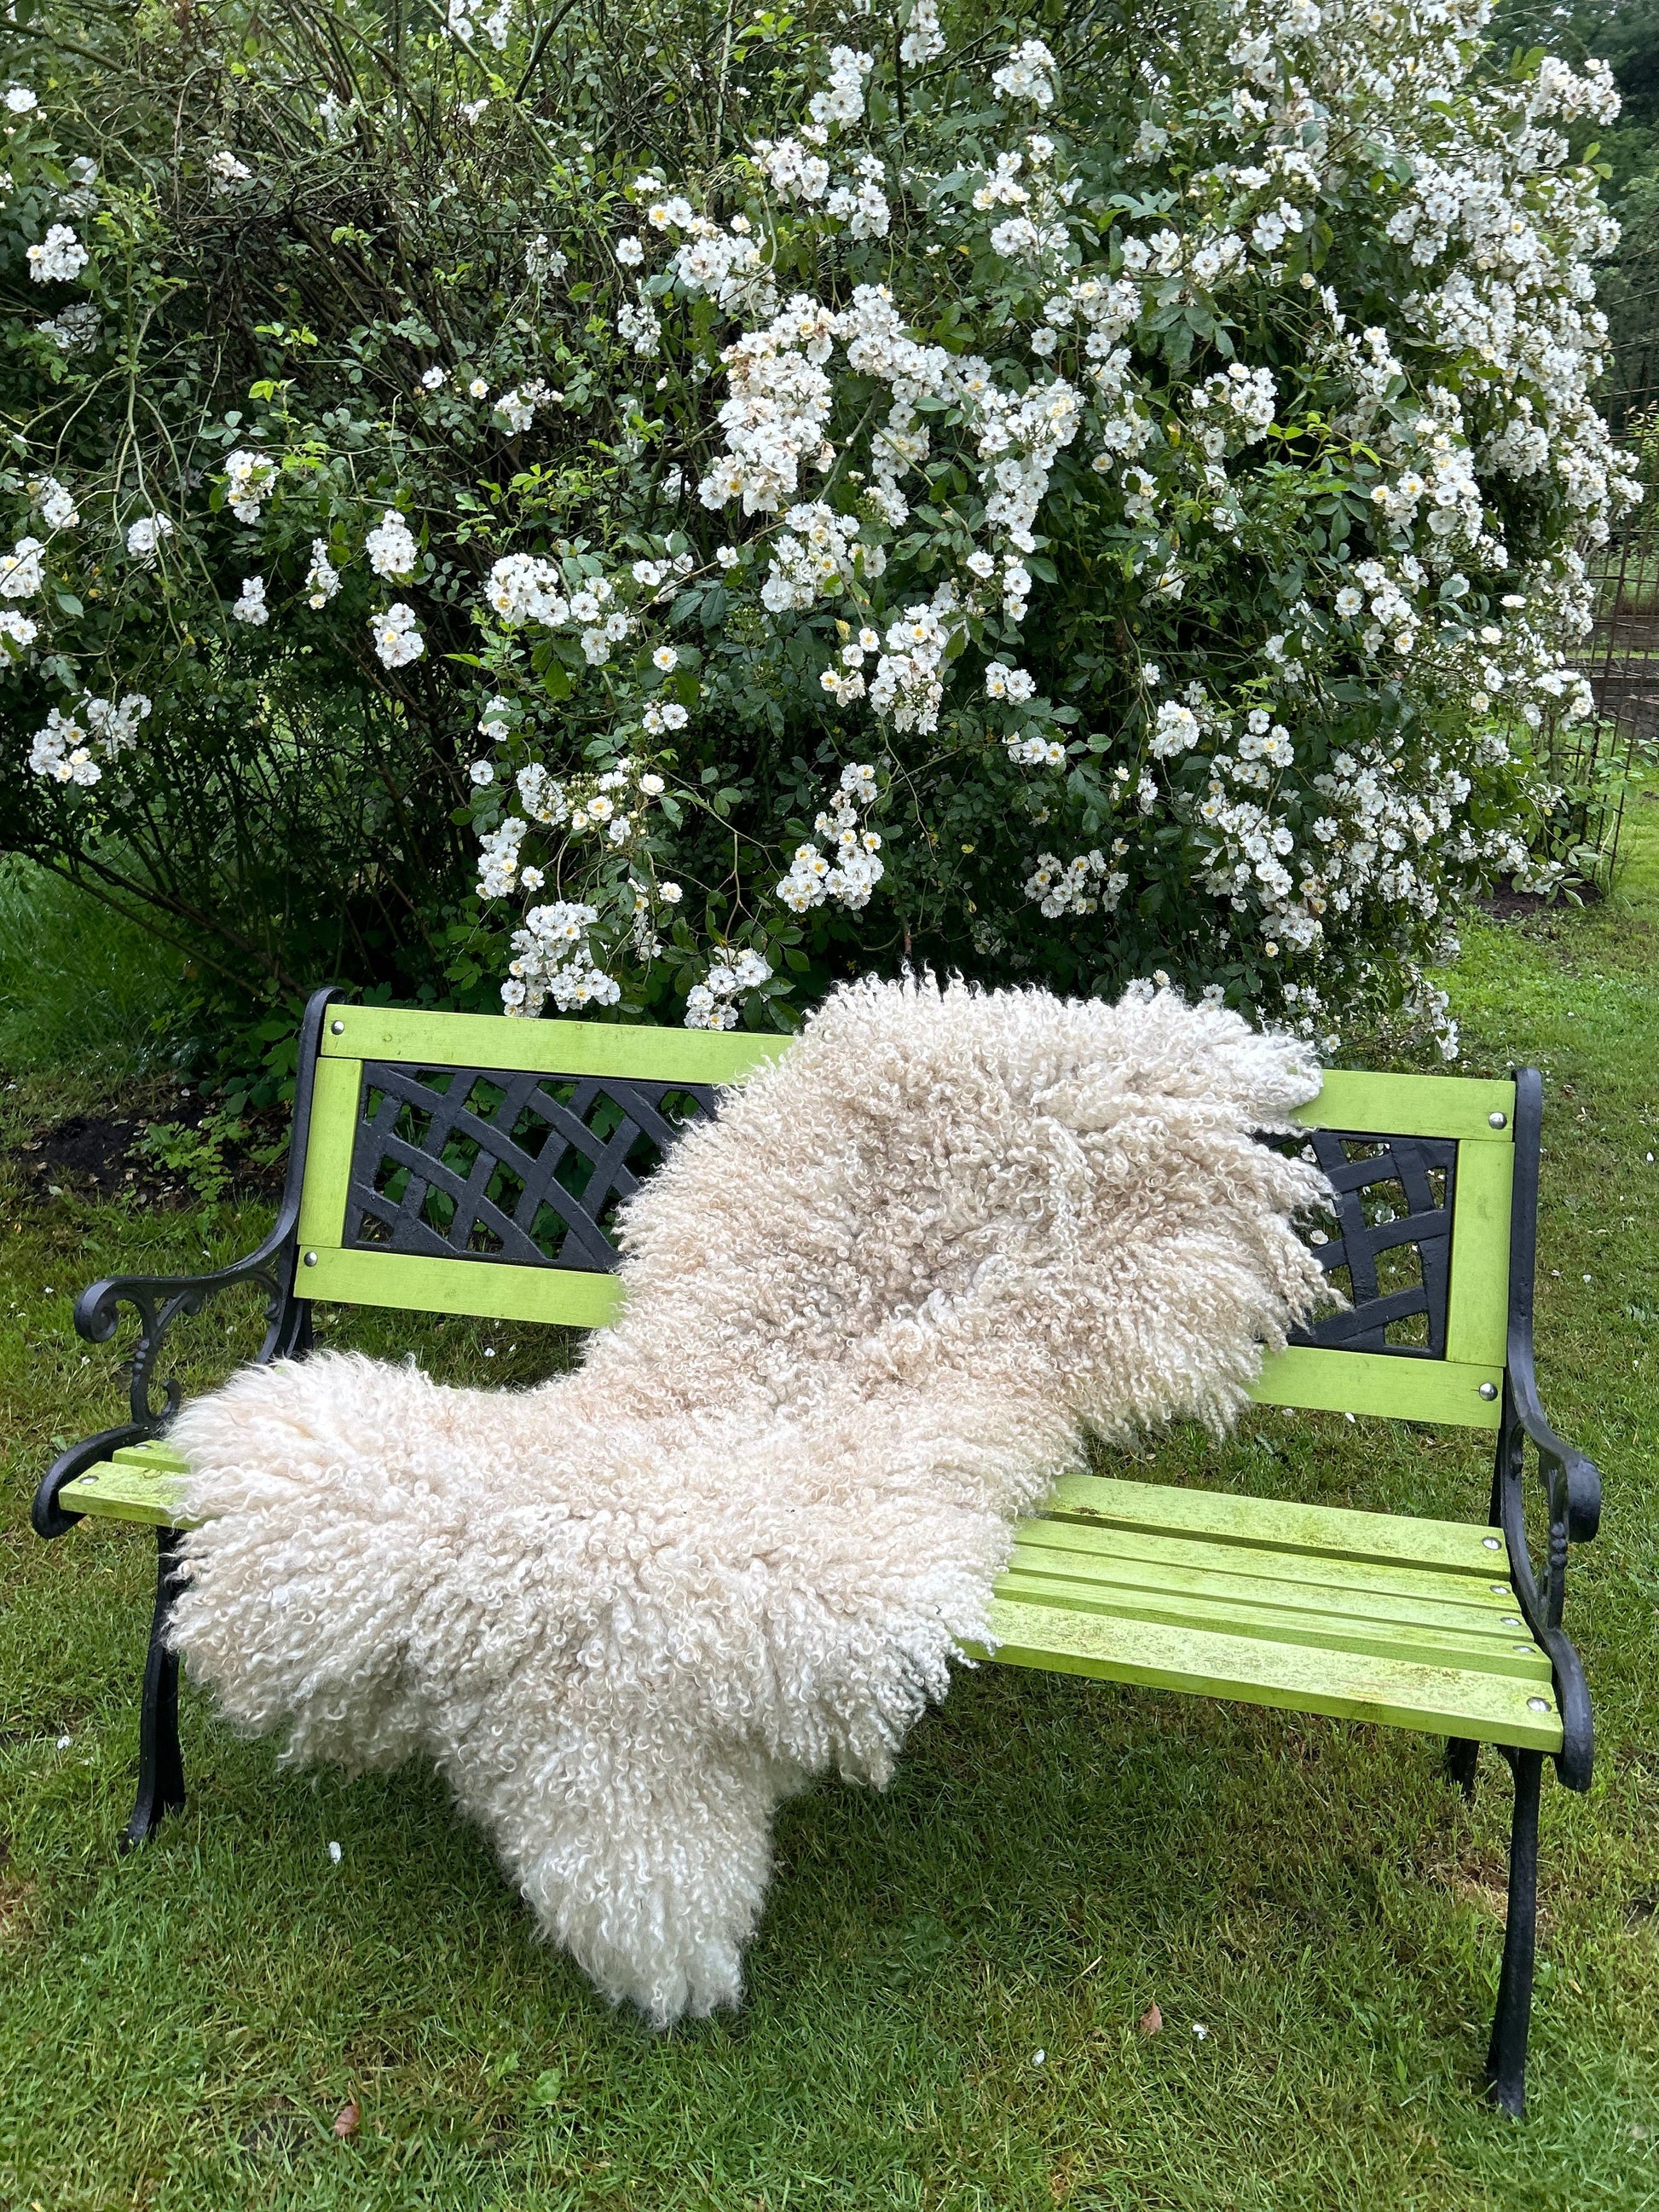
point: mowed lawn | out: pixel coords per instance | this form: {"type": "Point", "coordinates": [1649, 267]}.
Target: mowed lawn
{"type": "Point", "coordinates": [945, 1993]}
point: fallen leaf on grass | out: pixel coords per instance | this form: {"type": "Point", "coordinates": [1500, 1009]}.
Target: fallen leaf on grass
{"type": "Point", "coordinates": [1151, 2022]}
{"type": "Point", "coordinates": [347, 2121]}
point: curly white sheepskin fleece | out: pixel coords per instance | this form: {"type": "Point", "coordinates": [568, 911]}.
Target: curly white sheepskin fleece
{"type": "Point", "coordinates": [873, 1307]}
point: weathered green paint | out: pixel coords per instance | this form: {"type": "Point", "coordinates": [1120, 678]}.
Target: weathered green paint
{"type": "Point", "coordinates": [1462, 1701]}
{"type": "Point", "coordinates": [334, 1110]}
{"type": "Point", "coordinates": [1426, 1646]}
{"type": "Point", "coordinates": [1258, 1574]}
{"type": "Point", "coordinates": [1277, 1525]}
{"type": "Point", "coordinates": [110, 1493]}
{"type": "Point", "coordinates": [1413, 1106]}
{"type": "Point", "coordinates": [485, 1288]}
{"type": "Point", "coordinates": [1477, 1320]}
{"type": "Point", "coordinates": [1378, 1383]}
{"type": "Point", "coordinates": [662, 1055]}
{"type": "Point", "coordinates": [158, 1454]}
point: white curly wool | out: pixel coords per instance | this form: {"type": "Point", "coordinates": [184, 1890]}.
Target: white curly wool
{"type": "Point", "coordinates": [872, 1309]}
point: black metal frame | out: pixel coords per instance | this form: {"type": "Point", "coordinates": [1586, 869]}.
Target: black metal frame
{"type": "Point", "coordinates": [1572, 1493]}
{"type": "Point", "coordinates": [404, 1224]}
{"type": "Point", "coordinates": [1572, 1501]}
{"type": "Point", "coordinates": [1362, 1325]}
{"type": "Point", "coordinates": [159, 1301]}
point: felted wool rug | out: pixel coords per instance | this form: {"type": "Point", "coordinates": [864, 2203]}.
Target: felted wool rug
{"type": "Point", "coordinates": [873, 1307]}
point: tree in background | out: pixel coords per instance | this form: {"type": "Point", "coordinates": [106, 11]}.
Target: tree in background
{"type": "Point", "coordinates": [646, 518]}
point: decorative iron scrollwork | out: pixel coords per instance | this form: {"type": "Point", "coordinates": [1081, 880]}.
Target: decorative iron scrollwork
{"type": "Point", "coordinates": [1396, 1249]}
{"type": "Point", "coordinates": [496, 1165]}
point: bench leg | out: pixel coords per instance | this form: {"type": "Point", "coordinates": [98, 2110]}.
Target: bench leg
{"type": "Point", "coordinates": [1462, 1758]}
{"type": "Point", "coordinates": [160, 1763]}
{"type": "Point", "coordinates": [1506, 2055]}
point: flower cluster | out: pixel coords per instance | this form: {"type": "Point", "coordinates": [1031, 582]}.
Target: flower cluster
{"type": "Point", "coordinates": [714, 1003]}
{"type": "Point", "coordinates": [59, 258]}
{"type": "Point", "coordinates": [852, 867]}
{"type": "Point", "coordinates": [71, 747]}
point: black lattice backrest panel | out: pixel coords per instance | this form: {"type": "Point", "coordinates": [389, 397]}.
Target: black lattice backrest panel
{"type": "Point", "coordinates": [1388, 1244]}
{"type": "Point", "coordinates": [492, 1164]}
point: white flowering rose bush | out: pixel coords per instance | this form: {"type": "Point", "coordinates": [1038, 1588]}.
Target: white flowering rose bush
{"type": "Point", "coordinates": [1052, 518]}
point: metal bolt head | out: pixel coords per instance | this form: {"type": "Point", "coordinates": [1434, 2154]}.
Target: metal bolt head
{"type": "Point", "coordinates": [1497, 1121]}
{"type": "Point", "coordinates": [1499, 1589]}
{"type": "Point", "coordinates": [1538, 1705]}
{"type": "Point", "coordinates": [1513, 1620]}
{"type": "Point", "coordinates": [1489, 1391]}
{"type": "Point", "coordinates": [1528, 1647]}
{"type": "Point", "coordinates": [336, 1028]}
{"type": "Point", "coordinates": [311, 1259]}
{"type": "Point", "coordinates": [1492, 1543]}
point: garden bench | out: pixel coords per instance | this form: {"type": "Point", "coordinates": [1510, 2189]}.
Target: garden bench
{"type": "Point", "coordinates": [462, 1164]}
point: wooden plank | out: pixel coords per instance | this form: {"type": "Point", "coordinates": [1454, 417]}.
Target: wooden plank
{"type": "Point", "coordinates": [1478, 1318]}
{"type": "Point", "coordinates": [1518, 1655]}
{"type": "Point", "coordinates": [1349, 1685]}
{"type": "Point", "coordinates": [334, 1113]}
{"type": "Point", "coordinates": [485, 1288]}
{"type": "Point", "coordinates": [126, 1493]}
{"type": "Point", "coordinates": [1412, 1106]}
{"type": "Point", "coordinates": [551, 1048]}
{"type": "Point", "coordinates": [1381, 1384]}
{"type": "Point", "coordinates": [1282, 1525]}
{"type": "Point", "coordinates": [158, 1455]}
{"type": "Point", "coordinates": [1303, 1581]}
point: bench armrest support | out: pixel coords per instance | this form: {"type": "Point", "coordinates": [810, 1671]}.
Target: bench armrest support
{"type": "Point", "coordinates": [1571, 1486]}
{"type": "Point", "coordinates": [159, 1301]}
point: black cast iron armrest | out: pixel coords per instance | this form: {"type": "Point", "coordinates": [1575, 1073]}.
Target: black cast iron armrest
{"type": "Point", "coordinates": [159, 1301]}
{"type": "Point", "coordinates": [1573, 1482]}
{"type": "Point", "coordinates": [1571, 1486]}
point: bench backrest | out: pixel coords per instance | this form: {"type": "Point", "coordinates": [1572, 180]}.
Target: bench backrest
{"type": "Point", "coordinates": [462, 1163]}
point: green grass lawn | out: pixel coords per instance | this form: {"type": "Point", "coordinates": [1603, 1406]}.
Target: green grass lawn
{"type": "Point", "coordinates": [179, 2028]}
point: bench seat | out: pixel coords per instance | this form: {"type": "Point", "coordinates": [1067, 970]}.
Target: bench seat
{"type": "Point", "coordinates": [1365, 1616]}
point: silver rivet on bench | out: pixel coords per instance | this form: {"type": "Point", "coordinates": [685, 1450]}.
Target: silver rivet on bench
{"type": "Point", "coordinates": [311, 1259]}
{"type": "Point", "coordinates": [1528, 1647]}
{"type": "Point", "coordinates": [1489, 1391]}
{"type": "Point", "coordinates": [1513, 1620]}
{"type": "Point", "coordinates": [1492, 1543]}
{"type": "Point", "coordinates": [1538, 1705]}
{"type": "Point", "coordinates": [1497, 1121]}
{"type": "Point", "coordinates": [1500, 1590]}
{"type": "Point", "coordinates": [336, 1028]}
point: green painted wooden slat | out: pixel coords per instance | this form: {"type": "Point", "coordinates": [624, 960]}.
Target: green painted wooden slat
{"type": "Point", "coordinates": [485, 1288]}
{"type": "Point", "coordinates": [1426, 1646]}
{"type": "Point", "coordinates": [1301, 1581]}
{"type": "Point", "coordinates": [551, 1047]}
{"type": "Point", "coordinates": [1380, 1383]}
{"type": "Point", "coordinates": [334, 1115]}
{"type": "Point", "coordinates": [158, 1454]}
{"type": "Point", "coordinates": [1478, 1318]}
{"type": "Point", "coordinates": [126, 1493]}
{"type": "Point", "coordinates": [1279, 1524]}
{"type": "Point", "coordinates": [1349, 1685]}
{"type": "Point", "coordinates": [1412, 1106]}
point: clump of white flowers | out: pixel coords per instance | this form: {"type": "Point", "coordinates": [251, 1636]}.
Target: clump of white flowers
{"type": "Point", "coordinates": [59, 258]}
{"type": "Point", "coordinates": [850, 870]}
{"type": "Point", "coordinates": [251, 607]}
{"type": "Point", "coordinates": [398, 639]}
{"type": "Point", "coordinates": [145, 537]}
{"type": "Point", "coordinates": [75, 747]}
{"type": "Point", "coordinates": [20, 569]}
{"type": "Point", "coordinates": [390, 547]}
{"type": "Point", "coordinates": [249, 479]}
